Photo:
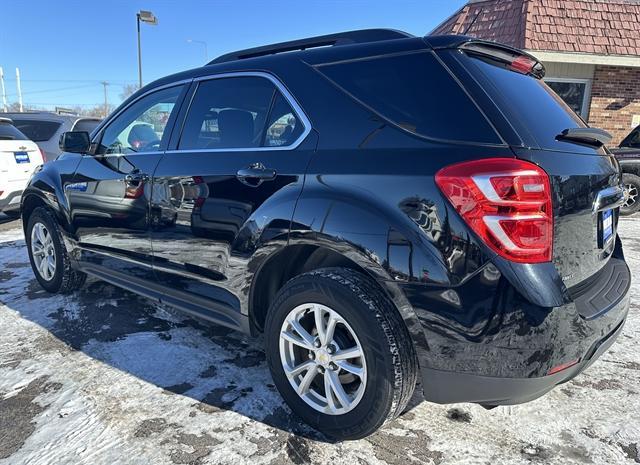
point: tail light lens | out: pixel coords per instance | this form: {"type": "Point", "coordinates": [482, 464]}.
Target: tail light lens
{"type": "Point", "coordinates": [44, 159]}
{"type": "Point", "coordinates": [507, 202]}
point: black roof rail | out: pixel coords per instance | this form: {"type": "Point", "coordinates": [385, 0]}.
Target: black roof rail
{"type": "Point", "coordinates": [341, 38]}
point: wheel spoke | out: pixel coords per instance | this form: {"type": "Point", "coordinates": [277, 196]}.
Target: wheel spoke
{"type": "Point", "coordinates": [353, 352]}
{"type": "Point", "coordinates": [307, 379]}
{"type": "Point", "coordinates": [318, 315]}
{"type": "Point", "coordinates": [351, 368]}
{"type": "Point", "coordinates": [292, 338]}
{"type": "Point", "coordinates": [304, 334]}
{"type": "Point", "coordinates": [331, 326]}
{"type": "Point", "coordinates": [295, 371]}
{"type": "Point", "coordinates": [337, 389]}
{"type": "Point", "coordinates": [328, 392]}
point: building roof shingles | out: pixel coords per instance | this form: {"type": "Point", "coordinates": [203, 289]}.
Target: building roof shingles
{"type": "Point", "coordinates": [604, 27]}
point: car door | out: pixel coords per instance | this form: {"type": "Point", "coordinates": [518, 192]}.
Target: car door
{"type": "Point", "coordinates": [109, 195]}
{"type": "Point", "coordinates": [228, 186]}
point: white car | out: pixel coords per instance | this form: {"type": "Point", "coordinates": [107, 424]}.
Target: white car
{"type": "Point", "coordinates": [18, 158]}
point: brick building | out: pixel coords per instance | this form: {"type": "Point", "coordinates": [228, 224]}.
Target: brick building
{"type": "Point", "coordinates": [590, 48]}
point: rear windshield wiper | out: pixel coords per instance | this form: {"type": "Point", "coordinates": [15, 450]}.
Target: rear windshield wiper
{"type": "Point", "coordinates": [590, 136]}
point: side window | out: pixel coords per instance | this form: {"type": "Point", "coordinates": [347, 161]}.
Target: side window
{"type": "Point", "coordinates": [141, 127]}
{"type": "Point", "coordinates": [238, 112]}
{"type": "Point", "coordinates": [283, 127]}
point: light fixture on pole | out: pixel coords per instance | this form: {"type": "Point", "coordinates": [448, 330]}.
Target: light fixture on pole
{"type": "Point", "coordinates": [202, 42]}
{"type": "Point", "coordinates": [149, 18]}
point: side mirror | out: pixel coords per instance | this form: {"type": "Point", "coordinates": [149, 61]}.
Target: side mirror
{"type": "Point", "coordinates": [75, 142]}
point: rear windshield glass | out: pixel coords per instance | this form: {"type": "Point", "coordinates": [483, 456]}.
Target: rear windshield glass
{"type": "Point", "coordinates": [415, 92]}
{"type": "Point", "coordinates": [529, 101]}
{"type": "Point", "coordinates": [87, 125]}
{"type": "Point", "coordinates": [38, 131]}
{"type": "Point", "coordinates": [9, 132]}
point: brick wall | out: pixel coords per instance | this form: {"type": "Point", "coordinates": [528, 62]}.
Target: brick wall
{"type": "Point", "coordinates": [615, 98]}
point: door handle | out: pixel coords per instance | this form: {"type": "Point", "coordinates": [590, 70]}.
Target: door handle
{"type": "Point", "coordinates": [255, 174]}
{"type": "Point", "coordinates": [136, 178]}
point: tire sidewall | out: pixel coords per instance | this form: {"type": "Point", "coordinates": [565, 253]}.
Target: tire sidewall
{"type": "Point", "coordinates": [376, 403]}
{"type": "Point", "coordinates": [40, 216]}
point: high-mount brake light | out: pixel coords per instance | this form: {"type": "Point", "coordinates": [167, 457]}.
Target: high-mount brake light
{"type": "Point", "coordinates": [523, 64]}
{"type": "Point", "coordinates": [507, 202]}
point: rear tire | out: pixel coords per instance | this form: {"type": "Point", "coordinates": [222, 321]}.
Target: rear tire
{"type": "Point", "coordinates": [631, 184]}
{"type": "Point", "coordinates": [49, 259]}
{"type": "Point", "coordinates": [379, 383]}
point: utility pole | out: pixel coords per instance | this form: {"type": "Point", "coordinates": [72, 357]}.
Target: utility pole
{"type": "Point", "coordinates": [19, 88]}
{"type": "Point", "coordinates": [4, 94]}
{"type": "Point", "coordinates": [106, 99]}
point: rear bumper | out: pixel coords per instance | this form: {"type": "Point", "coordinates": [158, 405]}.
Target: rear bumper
{"type": "Point", "coordinates": [445, 387]}
{"type": "Point", "coordinates": [10, 200]}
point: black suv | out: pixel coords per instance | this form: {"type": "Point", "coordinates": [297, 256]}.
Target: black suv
{"type": "Point", "coordinates": [380, 206]}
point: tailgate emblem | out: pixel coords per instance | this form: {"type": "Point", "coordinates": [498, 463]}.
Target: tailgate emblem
{"type": "Point", "coordinates": [22, 148]}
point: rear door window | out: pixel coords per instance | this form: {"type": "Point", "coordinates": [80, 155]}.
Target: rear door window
{"type": "Point", "coordinates": [37, 130]}
{"type": "Point", "coordinates": [239, 113]}
{"type": "Point", "coordinates": [415, 92]}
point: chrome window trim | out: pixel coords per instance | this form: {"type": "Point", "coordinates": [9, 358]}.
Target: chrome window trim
{"type": "Point", "coordinates": [299, 112]}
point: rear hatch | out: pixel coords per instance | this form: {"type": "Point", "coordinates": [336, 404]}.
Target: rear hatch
{"type": "Point", "coordinates": [541, 128]}
{"type": "Point", "coordinates": [18, 155]}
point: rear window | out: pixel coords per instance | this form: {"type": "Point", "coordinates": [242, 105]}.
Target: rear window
{"type": "Point", "coordinates": [538, 110]}
{"type": "Point", "coordinates": [87, 125]}
{"type": "Point", "coordinates": [10, 132]}
{"type": "Point", "coordinates": [415, 92]}
{"type": "Point", "coordinates": [37, 130]}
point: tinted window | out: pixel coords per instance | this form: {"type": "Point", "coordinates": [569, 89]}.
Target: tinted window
{"type": "Point", "coordinates": [37, 130]}
{"type": "Point", "coordinates": [283, 127]}
{"type": "Point", "coordinates": [633, 139]}
{"type": "Point", "coordinates": [87, 125]}
{"type": "Point", "coordinates": [9, 132]}
{"type": "Point", "coordinates": [527, 100]}
{"type": "Point", "coordinates": [228, 113]}
{"type": "Point", "coordinates": [141, 127]}
{"type": "Point", "coordinates": [416, 93]}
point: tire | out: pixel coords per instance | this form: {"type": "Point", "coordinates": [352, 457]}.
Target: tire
{"type": "Point", "coordinates": [63, 278]}
{"type": "Point", "coordinates": [631, 184]}
{"type": "Point", "coordinates": [389, 357]}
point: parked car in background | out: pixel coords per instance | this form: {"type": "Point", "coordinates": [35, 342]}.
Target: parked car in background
{"type": "Point", "coordinates": [45, 128]}
{"type": "Point", "coordinates": [381, 207]}
{"type": "Point", "coordinates": [628, 155]}
{"type": "Point", "coordinates": [18, 158]}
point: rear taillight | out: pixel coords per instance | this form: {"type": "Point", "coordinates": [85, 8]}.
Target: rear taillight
{"type": "Point", "coordinates": [507, 202]}
{"type": "Point", "coordinates": [42, 155]}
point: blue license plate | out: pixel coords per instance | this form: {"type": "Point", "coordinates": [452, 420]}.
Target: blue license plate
{"type": "Point", "coordinates": [607, 226]}
{"type": "Point", "coordinates": [21, 157]}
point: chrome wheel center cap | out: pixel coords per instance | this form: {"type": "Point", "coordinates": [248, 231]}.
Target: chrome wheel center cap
{"type": "Point", "coordinates": [323, 357]}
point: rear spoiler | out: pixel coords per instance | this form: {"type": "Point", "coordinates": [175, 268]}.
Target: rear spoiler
{"type": "Point", "coordinates": [6, 120]}
{"type": "Point", "coordinates": [517, 60]}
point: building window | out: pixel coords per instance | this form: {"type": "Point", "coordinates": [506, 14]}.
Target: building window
{"type": "Point", "coordinates": [575, 92]}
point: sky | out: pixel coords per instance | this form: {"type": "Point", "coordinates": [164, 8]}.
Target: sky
{"type": "Point", "coordinates": [65, 49]}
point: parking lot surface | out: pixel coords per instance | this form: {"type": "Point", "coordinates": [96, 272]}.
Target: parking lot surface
{"type": "Point", "coordinates": [103, 376]}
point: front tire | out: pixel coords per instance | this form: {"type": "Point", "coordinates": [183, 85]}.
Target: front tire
{"type": "Point", "coordinates": [631, 184]}
{"type": "Point", "coordinates": [48, 256]}
{"type": "Point", "coordinates": [339, 352]}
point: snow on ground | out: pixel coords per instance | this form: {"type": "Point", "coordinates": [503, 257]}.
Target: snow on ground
{"type": "Point", "coordinates": [106, 377]}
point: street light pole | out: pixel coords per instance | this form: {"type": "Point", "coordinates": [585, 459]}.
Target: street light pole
{"type": "Point", "coordinates": [149, 18]}
{"type": "Point", "coordinates": [139, 53]}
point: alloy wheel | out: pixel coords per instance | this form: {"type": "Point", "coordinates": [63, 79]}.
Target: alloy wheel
{"type": "Point", "coordinates": [43, 251]}
{"type": "Point", "coordinates": [631, 195]}
{"type": "Point", "coordinates": [323, 359]}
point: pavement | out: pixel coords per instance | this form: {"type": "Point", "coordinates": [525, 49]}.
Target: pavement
{"type": "Point", "coordinates": [103, 376]}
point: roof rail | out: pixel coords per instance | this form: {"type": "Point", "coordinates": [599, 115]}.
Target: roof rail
{"type": "Point", "coordinates": [341, 38]}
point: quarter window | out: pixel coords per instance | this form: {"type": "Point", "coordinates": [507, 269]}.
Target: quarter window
{"type": "Point", "coordinates": [141, 127]}
{"type": "Point", "coordinates": [239, 112]}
